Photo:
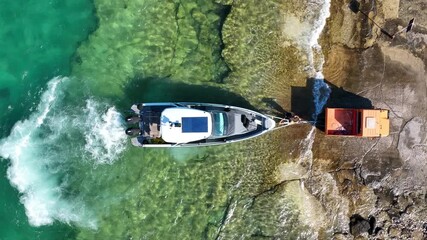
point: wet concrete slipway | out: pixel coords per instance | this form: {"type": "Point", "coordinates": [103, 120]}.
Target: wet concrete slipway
{"type": "Point", "coordinates": [360, 188]}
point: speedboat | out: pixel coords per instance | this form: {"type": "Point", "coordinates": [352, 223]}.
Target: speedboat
{"type": "Point", "coordinates": [187, 124]}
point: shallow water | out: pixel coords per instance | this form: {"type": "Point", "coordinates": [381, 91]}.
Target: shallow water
{"type": "Point", "coordinates": [70, 170]}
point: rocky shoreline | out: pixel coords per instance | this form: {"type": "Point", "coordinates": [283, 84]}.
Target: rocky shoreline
{"type": "Point", "coordinates": [380, 183]}
{"type": "Point", "coordinates": [343, 188]}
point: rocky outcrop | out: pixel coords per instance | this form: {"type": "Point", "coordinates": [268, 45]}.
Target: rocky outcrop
{"type": "Point", "coordinates": [385, 179]}
{"type": "Point", "coordinates": [365, 188]}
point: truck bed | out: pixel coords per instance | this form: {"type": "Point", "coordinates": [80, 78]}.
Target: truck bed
{"type": "Point", "coordinates": [357, 122]}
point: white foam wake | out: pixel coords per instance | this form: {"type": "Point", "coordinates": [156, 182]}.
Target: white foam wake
{"type": "Point", "coordinates": [104, 133]}
{"type": "Point", "coordinates": [305, 30]}
{"type": "Point", "coordinates": [29, 165]}
{"type": "Point", "coordinates": [318, 25]}
{"type": "Point", "coordinates": [52, 141]}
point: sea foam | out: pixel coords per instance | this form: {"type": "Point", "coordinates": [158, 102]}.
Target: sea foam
{"type": "Point", "coordinates": [305, 32]}
{"type": "Point", "coordinates": [29, 172]}
{"type": "Point", "coordinates": [45, 147]}
{"type": "Point", "coordinates": [104, 133]}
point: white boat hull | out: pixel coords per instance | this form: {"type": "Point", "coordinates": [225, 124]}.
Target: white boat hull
{"type": "Point", "coordinates": [242, 124]}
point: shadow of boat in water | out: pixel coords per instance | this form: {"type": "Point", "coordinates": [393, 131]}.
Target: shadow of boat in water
{"type": "Point", "coordinates": [154, 89]}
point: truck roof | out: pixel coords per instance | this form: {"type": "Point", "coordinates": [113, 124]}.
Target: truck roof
{"type": "Point", "coordinates": [357, 122]}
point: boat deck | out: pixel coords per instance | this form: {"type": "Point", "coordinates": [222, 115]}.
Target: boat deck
{"type": "Point", "coordinates": [231, 124]}
{"type": "Point", "coordinates": [150, 121]}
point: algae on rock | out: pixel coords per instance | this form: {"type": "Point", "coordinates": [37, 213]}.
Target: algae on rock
{"type": "Point", "coordinates": [261, 65]}
{"type": "Point", "coordinates": [175, 39]}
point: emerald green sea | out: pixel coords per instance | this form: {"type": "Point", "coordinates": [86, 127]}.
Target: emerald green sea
{"type": "Point", "coordinates": [70, 70]}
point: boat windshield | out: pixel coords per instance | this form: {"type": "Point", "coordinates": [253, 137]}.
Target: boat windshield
{"type": "Point", "coordinates": [219, 124]}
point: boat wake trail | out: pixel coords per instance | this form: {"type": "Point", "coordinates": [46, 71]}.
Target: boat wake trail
{"type": "Point", "coordinates": [104, 133]}
{"type": "Point", "coordinates": [45, 149]}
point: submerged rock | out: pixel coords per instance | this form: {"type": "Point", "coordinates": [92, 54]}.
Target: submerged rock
{"type": "Point", "coordinates": [177, 40]}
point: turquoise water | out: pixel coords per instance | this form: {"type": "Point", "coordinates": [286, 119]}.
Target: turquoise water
{"type": "Point", "coordinates": [69, 70]}
{"type": "Point", "coordinates": [38, 39]}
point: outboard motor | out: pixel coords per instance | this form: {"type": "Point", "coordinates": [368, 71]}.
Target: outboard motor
{"type": "Point", "coordinates": [133, 119]}
{"type": "Point", "coordinates": [133, 131]}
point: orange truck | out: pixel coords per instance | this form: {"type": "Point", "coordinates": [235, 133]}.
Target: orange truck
{"type": "Point", "coordinates": [357, 122]}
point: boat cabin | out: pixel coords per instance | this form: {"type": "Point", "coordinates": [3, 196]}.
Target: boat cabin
{"type": "Point", "coordinates": [182, 125]}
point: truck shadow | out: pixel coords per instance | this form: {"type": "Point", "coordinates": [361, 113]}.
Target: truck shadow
{"type": "Point", "coordinates": [304, 99]}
